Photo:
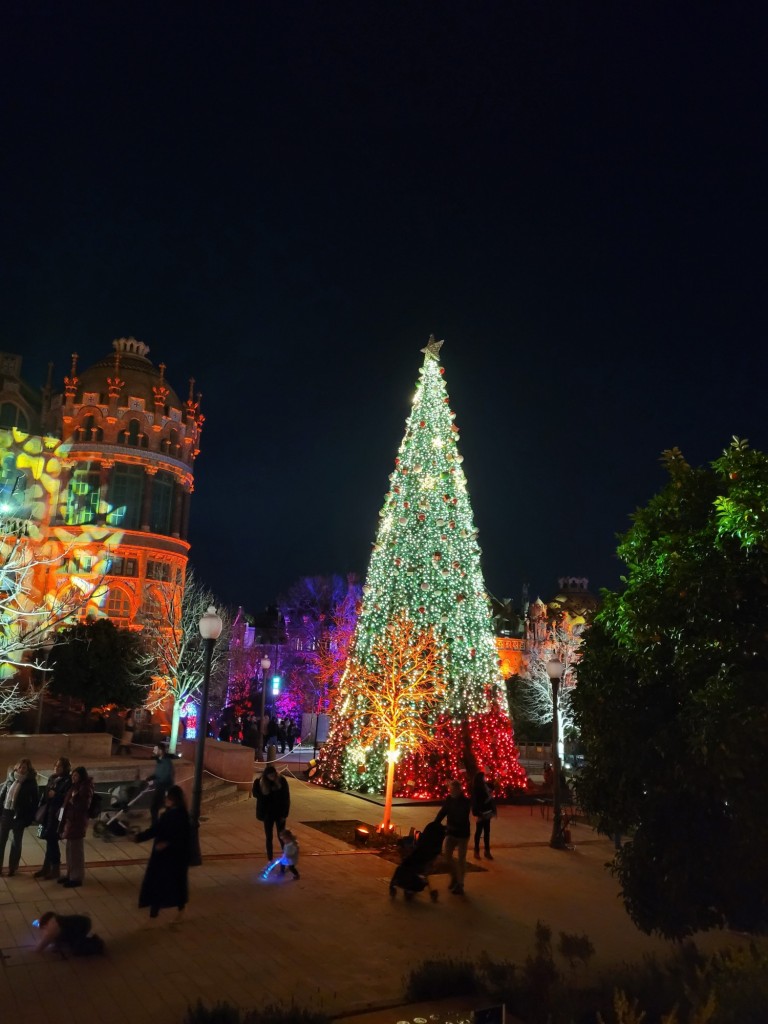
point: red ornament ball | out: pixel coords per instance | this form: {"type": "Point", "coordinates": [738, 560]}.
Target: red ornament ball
{"type": "Point", "coordinates": [406, 504]}
{"type": "Point", "coordinates": [422, 517]}
{"type": "Point", "coordinates": [442, 371]}
{"type": "Point", "coordinates": [397, 462]}
{"type": "Point", "coordinates": [422, 609]}
{"type": "Point", "coordinates": [422, 423]}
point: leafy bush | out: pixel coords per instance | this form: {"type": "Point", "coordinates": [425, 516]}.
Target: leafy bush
{"type": "Point", "coordinates": [441, 979]}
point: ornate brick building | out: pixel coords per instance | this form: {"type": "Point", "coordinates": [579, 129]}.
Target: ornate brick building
{"type": "Point", "coordinates": [116, 468]}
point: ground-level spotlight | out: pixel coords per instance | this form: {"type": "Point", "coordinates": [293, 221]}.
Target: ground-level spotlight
{"type": "Point", "coordinates": [361, 835]}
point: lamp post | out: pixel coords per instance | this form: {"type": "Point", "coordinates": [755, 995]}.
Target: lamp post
{"type": "Point", "coordinates": [210, 630]}
{"type": "Point", "coordinates": [266, 664]}
{"type": "Point", "coordinates": [555, 670]}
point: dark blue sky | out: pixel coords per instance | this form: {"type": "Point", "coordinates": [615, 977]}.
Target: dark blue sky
{"type": "Point", "coordinates": [284, 200]}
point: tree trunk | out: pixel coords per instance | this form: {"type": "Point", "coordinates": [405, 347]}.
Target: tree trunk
{"type": "Point", "coordinates": [390, 784]}
{"type": "Point", "coordinates": [175, 718]}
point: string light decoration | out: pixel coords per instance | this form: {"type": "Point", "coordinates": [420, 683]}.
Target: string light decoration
{"type": "Point", "coordinates": [425, 566]}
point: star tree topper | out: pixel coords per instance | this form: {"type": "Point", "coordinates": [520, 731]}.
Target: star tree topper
{"type": "Point", "coordinates": [433, 348]}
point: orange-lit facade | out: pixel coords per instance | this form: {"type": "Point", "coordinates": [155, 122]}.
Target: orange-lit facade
{"type": "Point", "coordinates": [110, 459]}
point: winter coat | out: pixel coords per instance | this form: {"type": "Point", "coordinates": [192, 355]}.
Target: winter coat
{"type": "Point", "coordinates": [483, 804]}
{"type": "Point", "coordinates": [456, 812]}
{"type": "Point", "coordinates": [165, 880]}
{"type": "Point", "coordinates": [60, 785]}
{"type": "Point", "coordinates": [163, 773]}
{"type": "Point", "coordinates": [25, 805]}
{"type": "Point", "coordinates": [74, 818]}
{"type": "Point", "coordinates": [273, 799]}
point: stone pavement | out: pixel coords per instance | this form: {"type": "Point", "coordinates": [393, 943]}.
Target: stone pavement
{"type": "Point", "coordinates": [334, 939]}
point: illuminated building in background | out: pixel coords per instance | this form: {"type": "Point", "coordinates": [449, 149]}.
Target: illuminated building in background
{"type": "Point", "coordinates": [131, 444]}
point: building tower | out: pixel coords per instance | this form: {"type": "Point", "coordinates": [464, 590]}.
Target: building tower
{"type": "Point", "coordinates": [129, 445]}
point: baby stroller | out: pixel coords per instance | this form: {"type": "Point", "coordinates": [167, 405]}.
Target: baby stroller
{"type": "Point", "coordinates": [412, 875]}
{"type": "Point", "coordinates": [113, 824]}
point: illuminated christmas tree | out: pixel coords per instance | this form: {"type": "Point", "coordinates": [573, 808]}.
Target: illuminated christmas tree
{"type": "Point", "coordinates": [426, 565]}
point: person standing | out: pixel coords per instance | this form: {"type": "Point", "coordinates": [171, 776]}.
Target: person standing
{"type": "Point", "coordinates": [165, 881]}
{"type": "Point", "coordinates": [455, 810]}
{"type": "Point", "coordinates": [18, 803]}
{"type": "Point", "coordinates": [290, 733]}
{"type": "Point", "coordinates": [483, 809]}
{"type": "Point", "coordinates": [52, 801]}
{"type": "Point", "coordinates": [273, 802]}
{"type": "Point", "coordinates": [74, 825]}
{"type": "Point", "coordinates": [162, 779]}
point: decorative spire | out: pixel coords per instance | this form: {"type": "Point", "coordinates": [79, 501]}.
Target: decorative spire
{"type": "Point", "coordinates": [161, 367]}
{"type": "Point", "coordinates": [70, 382]}
{"type": "Point", "coordinates": [191, 389]}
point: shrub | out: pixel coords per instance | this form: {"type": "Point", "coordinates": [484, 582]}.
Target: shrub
{"type": "Point", "coordinates": [225, 1013]}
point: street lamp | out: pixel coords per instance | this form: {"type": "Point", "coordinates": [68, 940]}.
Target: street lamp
{"type": "Point", "coordinates": [210, 626]}
{"type": "Point", "coordinates": [555, 671]}
{"type": "Point", "coordinates": [266, 664]}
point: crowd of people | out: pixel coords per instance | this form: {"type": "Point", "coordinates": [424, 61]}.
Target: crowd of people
{"type": "Point", "coordinates": [259, 733]}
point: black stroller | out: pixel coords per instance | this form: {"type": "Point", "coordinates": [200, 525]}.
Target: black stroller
{"type": "Point", "coordinates": [114, 823]}
{"type": "Point", "coordinates": [412, 875]}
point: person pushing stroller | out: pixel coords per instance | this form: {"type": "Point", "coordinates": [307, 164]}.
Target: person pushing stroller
{"type": "Point", "coordinates": [412, 875]}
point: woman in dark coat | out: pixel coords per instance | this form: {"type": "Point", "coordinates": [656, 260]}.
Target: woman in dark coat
{"type": "Point", "coordinates": [165, 880]}
{"type": "Point", "coordinates": [18, 803]}
{"type": "Point", "coordinates": [483, 809]}
{"type": "Point", "coordinates": [273, 802]}
{"type": "Point", "coordinates": [74, 825]}
{"type": "Point", "coordinates": [51, 803]}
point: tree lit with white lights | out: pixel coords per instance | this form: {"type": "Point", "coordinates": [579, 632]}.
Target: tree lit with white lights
{"type": "Point", "coordinates": [426, 565]}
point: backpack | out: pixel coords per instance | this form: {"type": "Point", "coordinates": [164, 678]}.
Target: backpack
{"type": "Point", "coordinates": [94, 807]}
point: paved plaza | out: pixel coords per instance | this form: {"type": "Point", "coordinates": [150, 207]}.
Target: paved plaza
{"type": "Point", "coordinates": [333, 939]}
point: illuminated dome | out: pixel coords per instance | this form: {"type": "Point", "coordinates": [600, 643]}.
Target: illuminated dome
{"type": "Point", "coordinates": [129, 362]}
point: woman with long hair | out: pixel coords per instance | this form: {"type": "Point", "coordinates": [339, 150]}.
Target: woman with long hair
{"type": "Point", "coordinates": [51, 803]}
{"type": "Point", "coordinates": [18, 803]}
{"type": "Point", "coordinates": [483, 809]}
{"type": "Point", "coordinates": [165, 880]}
{"type": "Point", "coordinates": [74, 825]}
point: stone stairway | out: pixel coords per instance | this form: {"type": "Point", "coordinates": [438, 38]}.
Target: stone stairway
{"type": "Point", "coordinates": [218, 793]}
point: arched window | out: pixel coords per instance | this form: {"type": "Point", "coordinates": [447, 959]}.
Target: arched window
{"type": "Point", "coordinates": [133, 436]}
{"type": "Point", "coordinates": [89, 431]}
{"type": "Point", "coordinates": [118, 604]}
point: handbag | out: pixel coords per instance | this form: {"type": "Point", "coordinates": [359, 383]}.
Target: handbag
{"type": "Point", "coordinates": [41, 831]}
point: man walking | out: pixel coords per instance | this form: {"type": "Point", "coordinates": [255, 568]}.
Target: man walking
{"type": "Point", "coordinates": [456, 810]}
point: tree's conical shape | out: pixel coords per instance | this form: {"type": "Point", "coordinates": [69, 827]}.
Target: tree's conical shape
{"type": "Point", "coordinates": [426, 563]}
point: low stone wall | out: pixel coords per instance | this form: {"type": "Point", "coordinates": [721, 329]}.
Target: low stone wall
{"type": "Point", "coordinates": [229, 761]}
{"type": "Point", "coordinates": [45, 748]}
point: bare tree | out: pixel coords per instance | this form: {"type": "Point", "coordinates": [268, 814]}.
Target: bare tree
{"type": "Point", "coordinates": [549, 638]}
{"type": "Point", "coordinates": [30, 617]}
{"type": "Point", "coordinates": [172, 634]}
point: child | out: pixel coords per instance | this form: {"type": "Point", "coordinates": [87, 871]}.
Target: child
{"type": "Point", "coordinates": [290, 853]}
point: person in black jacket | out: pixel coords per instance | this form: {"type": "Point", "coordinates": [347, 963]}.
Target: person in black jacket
{"type": "Point", "coordinates": [273, 802]}
{"type": "Point", "coordinates": [51, 803]}
{"type": "Point", "coordinates": [483, 809]}
{"type": "Point", "coordinates": [456, 812]}
{"type": "Point", "coordinates": [162, 779]}
{"type": "Point", "coordinates": [18, 803]}
{"type": "Point", "coordinates": [165, 880]}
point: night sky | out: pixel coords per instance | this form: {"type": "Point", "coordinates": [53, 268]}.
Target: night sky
{"type": "Point", "coordinates": [284, 200]}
